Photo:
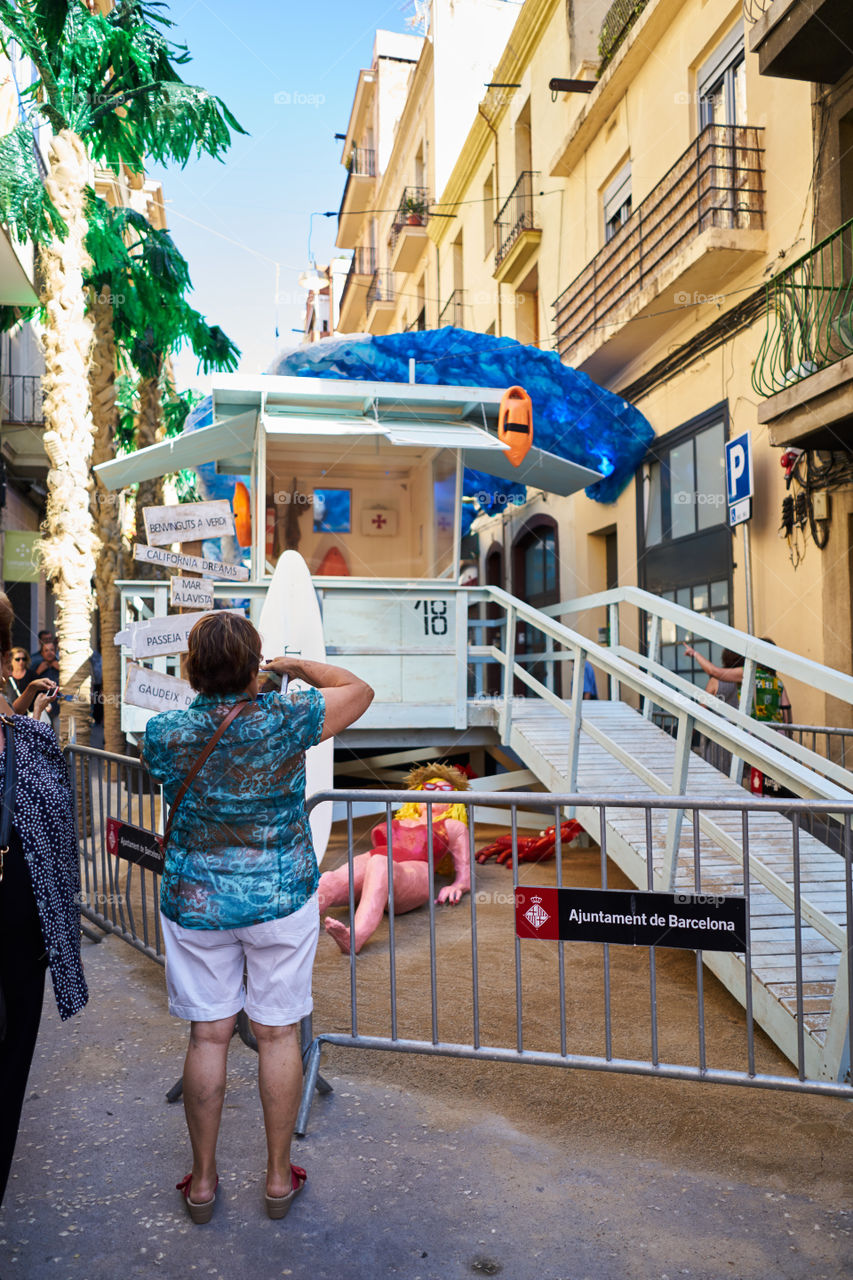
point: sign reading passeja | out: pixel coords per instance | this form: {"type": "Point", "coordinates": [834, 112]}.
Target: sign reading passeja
{"type": "Point", "coordinates": [195, 564]}
{"type": "Point", "coordinates": [691, 921]}
{"type": "Point", "coordinates": [188, 522]}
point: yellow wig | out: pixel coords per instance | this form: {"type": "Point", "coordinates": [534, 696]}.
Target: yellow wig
{"type": "Point", "coordinates": [435, 772]}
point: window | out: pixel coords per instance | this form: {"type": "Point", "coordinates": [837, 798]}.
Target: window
{"type": "Point", "coordinates": [488, 215]}
{"type": "Point", "coordinates": [685, 487]}
{"type": "Point", "coordinates": [721, 83]}
{"type": "Point", "coordinates": [616, 199]}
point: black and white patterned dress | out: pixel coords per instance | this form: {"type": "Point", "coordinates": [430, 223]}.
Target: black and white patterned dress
{"type": "Point", "coordinates": [44, 821]}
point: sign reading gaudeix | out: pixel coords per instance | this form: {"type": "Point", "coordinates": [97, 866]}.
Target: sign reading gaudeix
{"type": "Point", "coordinates": [156, 691]}
{"type": "Point", "coordinates": [191, 593]}
{"type": "Point", "coordinates": [188, 522]}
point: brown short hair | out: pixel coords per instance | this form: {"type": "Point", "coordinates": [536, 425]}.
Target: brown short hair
{"type": "Point", "coordinates": [7, 618]}
{"type": "Point", "coordinates": [224, 653]}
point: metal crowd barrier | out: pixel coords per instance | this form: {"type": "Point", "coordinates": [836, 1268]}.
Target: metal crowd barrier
{"type": "Point", "coordinates": [463, 986]}
{"type": "Point", "coordinates": [122, 898]}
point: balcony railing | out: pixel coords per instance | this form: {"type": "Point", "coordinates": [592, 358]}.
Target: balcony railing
{"type": "Point", "coordinates": [381, 288]}
{"type": "Point", "coordinates": [717, 182]}
{"type": "Point", "coordinates": [618, 21]}
{"type": "Point", "coordinates": [755, 9]}
{"type": "Point", "coordinates": [453, 310]}
{"type": "Point", "coordinates": [516, 215]}
{"type": "Point", "coordinates": [362, 162]}
{"type": "Point", "coordinates": [21, 398]}
{"type": "Point", "coordinates": [413, 211]}
{"type": "Point", "coordinates": [362, 263]}
{"type": "Point", "coordinates": [809, 318]}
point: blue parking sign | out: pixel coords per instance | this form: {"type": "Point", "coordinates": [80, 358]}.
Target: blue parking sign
{"type": "Point", "coordinates": [739, 478]}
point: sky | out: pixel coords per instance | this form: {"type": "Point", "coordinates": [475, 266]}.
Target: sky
{"type": "Point", "coordinates": [287, 69]}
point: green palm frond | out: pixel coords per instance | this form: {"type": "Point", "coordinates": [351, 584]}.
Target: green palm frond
{"type": "Point", "coordinates": [25, 206]}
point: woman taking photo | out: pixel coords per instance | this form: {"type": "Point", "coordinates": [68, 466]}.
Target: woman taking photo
{"type": "Point", "coordinates": [239, 886]}
{"type": "Point", "coordinates": [39, 895]}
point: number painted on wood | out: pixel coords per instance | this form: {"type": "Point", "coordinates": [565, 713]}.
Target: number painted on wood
{"type": "Point", "coordinates": [435, 616]}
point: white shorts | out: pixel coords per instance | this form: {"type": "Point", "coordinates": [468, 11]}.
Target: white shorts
{"type": "Point", "coordinates": [204, 969]}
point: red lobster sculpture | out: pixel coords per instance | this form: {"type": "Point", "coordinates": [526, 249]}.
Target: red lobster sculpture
{"type": "Point", "coordinates": [539, 848]}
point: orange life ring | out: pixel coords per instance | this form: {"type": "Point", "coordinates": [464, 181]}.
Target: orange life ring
{"type": "Point", "coordinates": [242, 506]}
{"type": "Point", "coordinates": [515, 424]}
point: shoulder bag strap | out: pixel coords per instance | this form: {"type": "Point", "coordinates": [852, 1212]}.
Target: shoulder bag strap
{"type": "Point", "coordinates": [8, 790]}
{"type": "Point", "coordinates": [185, 785]}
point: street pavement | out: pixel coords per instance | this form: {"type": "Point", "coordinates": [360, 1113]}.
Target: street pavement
{"type": "Point", "coordinates": [412, 1174]}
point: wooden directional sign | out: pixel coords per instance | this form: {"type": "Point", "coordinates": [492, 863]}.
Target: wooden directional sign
{"type": "Point", "coordinates": [156, 691]}
{"type": "Point", "coordinates": [188, 522]}
{"type": "Point", "coordinates": [191, 593]}
{"type": "Point", "coordinates": [159, 635]}
{"type": "Point", "coordinates": [690, 921]}
{"type": "Point", "coordinates": [195, 564]}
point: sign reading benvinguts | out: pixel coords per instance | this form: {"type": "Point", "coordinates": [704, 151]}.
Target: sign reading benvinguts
{"type": "Point", "coordinates": [191, 593]}
{"type": "Point", "coordinates": [195, 564]}
{"type": "Point", "coordinates": [188, 522]}
{"type": "Point", "coordinates": [134, 844]}
{"type": "Point", "coordinates": [689, 921]}
{"type": "Point", "coordinates": [156, 691]}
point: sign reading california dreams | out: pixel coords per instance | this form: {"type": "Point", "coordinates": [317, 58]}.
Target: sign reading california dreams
{"type": "Point", "coordinates": [191, 593]}
{"type": "Point", "coordinates": [691, 921]}
{"type": "Point", "coordinates": [156, 691]}
{"type": "Point", "coordinates": [195, 564]}
{"type": "Point", "coordinates": [188, 522]}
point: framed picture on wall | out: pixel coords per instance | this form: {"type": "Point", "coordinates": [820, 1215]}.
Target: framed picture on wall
{"type": "Point", "coordinates": [332, 510]}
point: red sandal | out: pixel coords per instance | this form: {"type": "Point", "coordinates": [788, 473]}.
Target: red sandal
{"type": "Point", "coordinates": [279, 1206]}
{"type": "Point", "coordinates": [200, 1212]}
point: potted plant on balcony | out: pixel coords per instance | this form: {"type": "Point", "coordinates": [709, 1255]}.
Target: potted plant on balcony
{"type": "Point", "coordinates": [415, 209]}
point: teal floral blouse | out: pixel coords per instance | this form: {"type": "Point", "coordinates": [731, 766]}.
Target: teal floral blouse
{"type": "Point", "coordinates": [240, 851]}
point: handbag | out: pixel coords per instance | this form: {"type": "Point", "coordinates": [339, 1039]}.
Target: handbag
{"type": "Point", "coordinates": [185, 785]}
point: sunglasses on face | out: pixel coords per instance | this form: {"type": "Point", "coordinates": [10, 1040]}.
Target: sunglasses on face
{"type": "Point", "coordinates": [437, 786]}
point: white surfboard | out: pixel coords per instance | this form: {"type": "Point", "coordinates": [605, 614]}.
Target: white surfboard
{"type": "Point", "coordinates": [291, 626]}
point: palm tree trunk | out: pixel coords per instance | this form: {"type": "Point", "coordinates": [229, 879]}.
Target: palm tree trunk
{"type": "Point", "coordinates": [105, 509]}
{"type": "Point", "coordinates": [69, 543]}
{"type": "Point", "coordinates": [149, 429]}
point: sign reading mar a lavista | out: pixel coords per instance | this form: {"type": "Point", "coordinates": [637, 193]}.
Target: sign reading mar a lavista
{"type": "Point", "coordinates": [188, 522]}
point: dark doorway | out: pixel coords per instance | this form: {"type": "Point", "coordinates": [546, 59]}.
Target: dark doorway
{"type": "Point", "coordinates": [536, 581]}
{"type": "Point", "coordinates": [492, 635]}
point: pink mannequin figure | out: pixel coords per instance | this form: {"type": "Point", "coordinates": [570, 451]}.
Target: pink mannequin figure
{"type": "Point", "coordinates": [409, 832]}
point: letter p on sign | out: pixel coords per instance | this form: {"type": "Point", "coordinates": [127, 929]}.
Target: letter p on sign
{"type": "Point", "coordinates": [738, 469]}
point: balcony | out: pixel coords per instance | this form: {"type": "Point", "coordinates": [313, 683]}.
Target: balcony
{"type": "Point", "coordinates": [21, 399]}
{"type": "Point", "coordinates": [618, 21]}
{"type": "Point", "coordinates": [361, 178]}
{"type": "Point", "coordinates": [701, 225]}
{"type": "Point", "coordinates": [805, 362]}
{"type": "Point", "coordinates": [354, 295]}
{"type": "Point", "coordinates": [381, 302]}
{"type": "Point", "coordinates": [453, 311]}
{"type": "Point", "coordinates": [802, 39]}
{"type": "Point", "coordinates": [517, 233]}
{"type": "Point", "coordinates": [408, 237]}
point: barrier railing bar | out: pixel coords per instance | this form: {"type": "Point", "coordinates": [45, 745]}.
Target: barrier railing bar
{"type": "Point", "coordinates": [848, 886]}
{"type": "Point", "coordinates": [608, 1027]}
{"type": "Point", "coordinates": [650, 884]}
{"type": "Point", "coordinates": [352, 977]}
{"type": "Point", "coordinates": [798, 954]}
{"type": "Point", "coordinates": [561, 958]}
{"type": "Point", "coordinates": [747, 957]}
{"type": "Point", "coordinates": [475, 975]}
{"type": "Point", "coordinates": [518, 1004]}
{"type": "Point", "coordinates": [392, 952]}
{"type": "Point", "coordinates": [700, 972]}
{"type": "Point", "coordinates": [433, 990]}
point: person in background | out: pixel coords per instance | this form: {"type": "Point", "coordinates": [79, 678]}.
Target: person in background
{"type": "Point", "coordinates": [21, 695]}
{"type": "Point", "coordinates": [46, 664]}
{"type": "Point", "coordinates": [97, 666]}
{"type": "Point", "coordinates": [771, 702]}
{"type": "Point", "coordinates": [19, 665]}
{"type": "Point", "coordinates": [239, 886]}
{"type": "Point", "coordinates": [39, 900]}
{"type": "Point", "coordinates": [590, 688]}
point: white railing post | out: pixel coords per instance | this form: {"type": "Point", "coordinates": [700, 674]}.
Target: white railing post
{"type": "Point", "coordinates": [509, 676]}
{"type": "Point", "coordinates": [676, 816]}
{"type": "Point", "coordinates": [747, 690]}
{"type": "Point", "coordinates": [654, 656]}
{"type": "Point", "coordinates": [575, 723]}
{"type": "Point", "coordinates": [613, 626]}
{"type": "Point", "coordinates": [461, 721]}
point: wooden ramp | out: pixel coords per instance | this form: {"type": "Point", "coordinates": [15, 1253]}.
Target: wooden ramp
{"type": "Point", "coordinates": [624, 755]}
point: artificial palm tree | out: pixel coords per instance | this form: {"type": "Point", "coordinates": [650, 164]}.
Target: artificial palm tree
{"type": "Point", "coordinates": [107, 85]}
